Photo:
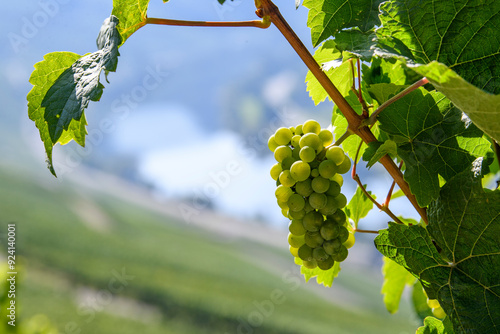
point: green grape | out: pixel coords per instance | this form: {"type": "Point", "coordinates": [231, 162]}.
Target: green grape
{"type": "Point", "coordinates": [335, 154]}
{"type": "Point", "coordinates": [339, 217]}
{"type": "Point", "coordinates": [326, 137]}
{"type": "Point", "coordinates": [315, 172]}
{"type": "Point", "coordinates": [313, 239]}
{"type": "Point", "coordinates": [283, 136]}
{"type": "Point", "coordinates": [282, 152]}
{"type": "Point", "coordinates": [317, 201]}
{"type": "Point", "coordinates": [284, 212]}
{"type": "Point", "coordinates": [296, 227]}
{"type": "Point", "coordinates": [292, 129]}
{"type": "Point", "coordinates": [333, 189]}
{"type": "Point", "coordinates": [297, 214]}
{"type": "Point", "coordinates": [330, 207]}
{"type": "Point", "coordinates": [296, 153]}
{"type": "Point", "coordinates": [304, 188]}
{"type": "Point", "coordinates": [298, 129]}
{"type": "Point", "coordinates": [341, 255]}
{"type": "Point", "coordinates": [296, 202]}
{"type": "Point", "coordinates": [329, 231]}
{"type": "Point", "coordinates": [343, 234]}
{"type": "Point", "coordinates": [294, 251]}
{"type": "Point", "coordinates": [311, 126]}
{"type": "Point", "coordinates": [341, 201]}
{"type": "Point", "coordinates": [345, 166]}
{"type": "Point", "coordinates": [272, 144]}
{"type": "Point", "coordinates": [338, 178]}
{"type": "Point", "coordinates": [307, 154]}
{"type": "Point", "coordinates": [319, 254]}
{"type": "Point", "coordinates": [295, 141]}
{"type": "Point", "coordinates": [283, 193]}
{"type": "Point", "coordinates": [326, 264]}
{"type": "Point", "coordinates": [300, 170]}
{"type": "Point", "coordinates": [308, 208]}
{"type": "Point", "coordinates": [310, 264]}
{"type": "Point", "coordinates": [327, 169]}
{"type": "Point", "coordinates": [276, 170]}
{"type": "Point", "coordinates": [433, 303]}
{"type": "Point", "coordinates": [320, 184]}
{"type": "Point", "coordinates": [312, 221]}
{"type": "Point", "coordinates": [312, 140]}
{"type": "Point", "coordinates": [284, 206]}
{"type": "Point", "coordinates": [305, 253]}
{"type": "Point", "coordinates": [286, 179]}
{"type": "Point", "coordinates": [350, 241]}
{"type": "Point", "coordinates": [332, 246]}
{"type": "Point", "coordinates": [287, 163]}
{"type": "Point", "coordinates": [295, 240]}
{"type": "Point", "coordinates": [314, 164]}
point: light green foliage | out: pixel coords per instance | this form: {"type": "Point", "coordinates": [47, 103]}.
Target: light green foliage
{"type": "Point", "coordinates": [324, 277]}
{"type": "Point", "coordinates": [64, 84]}
{"type": "Point", "coordinates": [376, 150]}
{"type": "Point", "coordinates": [464, 222]}
{"type": "Point", "coordinates": [359, 206]}
{"type": "Point", "coordinates": [396, 278]}
{"type": "Point", "coordinates": [327, 17]}
{"type": "Point", "coordinates": [434, 326]}
{"type": "Point", "coordinates": [132, 15]}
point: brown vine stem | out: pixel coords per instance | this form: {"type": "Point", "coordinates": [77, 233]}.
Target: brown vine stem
{"type": "Point", "coordinates": [366, 231]}
{"type": "Point", "coordinates": [266, 8]}
{"type": "Point", "coordinates": [169, 22]}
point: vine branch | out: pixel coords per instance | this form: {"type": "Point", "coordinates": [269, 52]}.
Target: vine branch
{"type": "Point", "coordinates": [266, 8]}
{"type": "Point", "coordinates": [169, 22]}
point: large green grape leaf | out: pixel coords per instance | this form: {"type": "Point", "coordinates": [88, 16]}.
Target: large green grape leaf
{"type": "Point", "coordinates": [464, 224]}
{"type": "Point", "coordinates": [327, 17]}
{"type": "Point", "coordinates": [63, 85]}
{"type": "Point", "coordinates": [461, 34]}
{"type": "Point", "coordinates": [132, 15]}
{"type": "Point", "coordinates": [396, 278]}
{"type": "Point", "coordinates": [433, 138]}
{"type": "Point", "coordinates": [482, 107]}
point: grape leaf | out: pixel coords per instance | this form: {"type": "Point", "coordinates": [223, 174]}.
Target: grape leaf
{"type": "Point", "coordinates": [433, 139]}
{"type": "Point", "coordinates": [396, 278]}
{"type": "Point", "coordinates": [377, 150]}
{"type": "Point", "coordinates": [327, 17]}
{"type": "Point", "coordinates": [357, 42]}
{"type": "Point", "coordinates": [482, 107]}
{"type": "Point", "coordinates": [324, 277]}
{"type": "Point", "coordinates": [63, 85]}
{"type": "Point", "coordinates": [434, 326]}
{"type": "Point", "coordinates": [461, 34]}
{"type": "Point", "coordinates": [464, 223]}
{"type": "Point", "coordinates": [419, 301]}
{"type": "Point", "coordinates": [359, 206]}
{"type": "Point", "coordinates": [132, 15]}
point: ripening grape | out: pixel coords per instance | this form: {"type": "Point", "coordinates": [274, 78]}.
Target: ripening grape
{"type": "Point", "coordinates": [272, 144]}
{"type": "Point", "coordinates": [433, 303]}
{"type": "Point", "coordinates": [295, 240]}
{"type": "Point", "coordinates": [276, 170]}
{"type": "Point", "coordinates": [307, 154]}
{"type": "Point", "coordinates": [311, 126]}
{"type": "Point", "coordinates": [283, 136]}
{"type": "Point", "coordinates": [320, 184]}
{"type": "Point", "coordinates": [286, 178]}
{"type": "Point", "coordinates": [296, 202]}
{"type": "Point", "coordinates": [282, 152]}
{"type": "Point", "coordinates": [345, 166]}
{"type": "Point", "coordinates": [327, 169]}
{"type": "Point", "coordinates": [308, 192]}
{"type": "Point", "coordinates": [438, 312]}
{"type": "Point", "coordinates": [317, 201]}
{"type": "Point", "coordinates": [335, 154]}
{"type": "Point", "coordinates": [300, 170]}
{"type": "Point", "coordinates": [296, 227]}
{"type": "Point", "coordinates": [326, 137]}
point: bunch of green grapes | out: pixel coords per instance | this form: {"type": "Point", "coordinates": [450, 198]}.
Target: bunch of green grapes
{"type": "Point", "coordinates": [308, 178]}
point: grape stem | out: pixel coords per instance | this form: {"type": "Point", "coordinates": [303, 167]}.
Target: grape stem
{"type": "Point", "coordinates": [373, 118]}
{"type": "Point", "coordinates": [389, 194]}
{"type": "Point", "coordinates": [366, 231]}
{"type": "Point", "coordinates": [264, 23]}
{"type": "Point", "coordinates": [382, 207]}
{"type": "Point", "coordinates": [266, 8]}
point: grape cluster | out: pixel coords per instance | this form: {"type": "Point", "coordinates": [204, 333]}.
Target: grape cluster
{"type": "Point", "coordinates": [308, 178]}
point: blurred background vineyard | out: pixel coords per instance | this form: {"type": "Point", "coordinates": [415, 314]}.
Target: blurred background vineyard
{"type": "Point", "coordinates": [107, 247]}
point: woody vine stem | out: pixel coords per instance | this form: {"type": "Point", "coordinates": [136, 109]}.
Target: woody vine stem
{"type": "Point", "coordinates": [358, 124]}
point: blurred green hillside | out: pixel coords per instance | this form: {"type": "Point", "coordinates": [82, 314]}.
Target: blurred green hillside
{"type": "Point", "coordinates": [93, 259]}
